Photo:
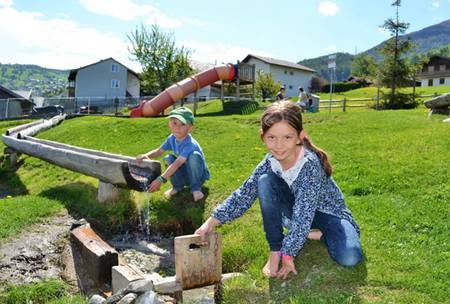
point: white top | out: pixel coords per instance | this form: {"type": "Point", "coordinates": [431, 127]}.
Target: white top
{"type": "Point", "coordinates": [290, 174]}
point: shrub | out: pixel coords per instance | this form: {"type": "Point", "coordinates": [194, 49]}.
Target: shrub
{"type": "Point", "coordinates": [342, 86]}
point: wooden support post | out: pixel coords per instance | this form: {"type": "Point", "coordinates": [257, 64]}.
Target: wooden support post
{"type": "Point", "coordinates": [107, 192]}
{"type": "Point", "coordinates": [97, 256]}
{"type": "Point", "coordinates": [238, 88]}
{"type": "Point", "coordinates": [13, 159]}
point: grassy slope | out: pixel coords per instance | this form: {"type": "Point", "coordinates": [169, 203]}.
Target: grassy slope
{"type": "Point", "coordinates": [390, 166]}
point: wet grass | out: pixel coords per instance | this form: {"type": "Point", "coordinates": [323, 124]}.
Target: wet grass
{"type": "Point", "coordinates": [391, 165]}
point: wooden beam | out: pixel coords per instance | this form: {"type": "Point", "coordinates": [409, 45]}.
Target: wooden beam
{"type": "Point", "coordinates": [113, 170]}
{"type": "Point", "coordinates": [97, 256]}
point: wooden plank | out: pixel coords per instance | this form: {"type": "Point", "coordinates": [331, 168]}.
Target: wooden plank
{"type": "Point", "coordinates": [97, 256]}
{"type": "Point", "coordinates": [198, 262]}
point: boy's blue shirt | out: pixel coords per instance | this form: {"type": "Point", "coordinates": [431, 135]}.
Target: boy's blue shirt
{"type": "Point", "coordinates": [183, 148]}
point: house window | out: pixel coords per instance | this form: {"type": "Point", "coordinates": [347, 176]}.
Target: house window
{"type": "Point", "coordinates": [431, 68]}
{"type": "Point", "coordinates": [441, 80]}
{"type": "Point", "coordinates": [291, 73]}
{"type": "Point", "coordinates": [290, 87]}
{"type": "Point", "coordinates": [114, 84]}
{"type": "Point", "coordinates": [430, 82]}
{"type": "Point", "coordinates": [114, 68]}
{"type": "Point", "coordinates": [285, 72]}
{"type": "Point", "coordinates": [442, 67]}
{"type": "Point", "coordinates": [71, 84]}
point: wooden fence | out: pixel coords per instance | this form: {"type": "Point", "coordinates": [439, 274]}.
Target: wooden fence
{"type": "Point", "coordinates": [358, 102]}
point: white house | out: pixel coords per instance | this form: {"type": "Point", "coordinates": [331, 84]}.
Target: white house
{"type": "Point", "coordinates": [436, 72]}
{"type": "Point", "coordinates": [291, 75]}
{"type": "Point", "coordinates": [106, 78]}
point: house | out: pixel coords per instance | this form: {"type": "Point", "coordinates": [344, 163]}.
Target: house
{"type": "Point", "coordinates": [436, 72]}
{"type": "Point", "coordinates": [13, 104]}
{"type": "Point", "coordinates": [290, 74]}
{"type": "Point", "coordinates": [107, 79]}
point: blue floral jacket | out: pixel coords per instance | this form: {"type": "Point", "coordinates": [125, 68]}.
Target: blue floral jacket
{"type": "Point", "coordinates": [312, 189]}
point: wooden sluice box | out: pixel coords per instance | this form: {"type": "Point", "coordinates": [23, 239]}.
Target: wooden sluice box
{"type": "Point", "coordinates": [198, 262]}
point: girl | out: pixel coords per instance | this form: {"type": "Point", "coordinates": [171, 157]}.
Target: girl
{"type": "Point", "coordinates": [295, 190]}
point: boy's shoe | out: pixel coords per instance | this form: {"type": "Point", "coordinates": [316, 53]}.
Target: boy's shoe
{"type": "Point", "coordinates": [169, 193]}
{"type": "Point", "coordinates": [198, 195]}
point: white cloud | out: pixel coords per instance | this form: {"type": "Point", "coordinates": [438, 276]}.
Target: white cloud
{"type": "Point", "coordinates": [328, 8]}
{"type": "Point", "coordinates": [382, 30]}
{"type": "Point", "coordinates": [220, 52]}
{"type": "Point", "coordinates": [54, 43]}
{"type": "Point", "coordinates": [5, 3]}
{"type": "Point", "coordinates": [127, 10]}
{"type": "Point", "coordinates": [435, 3]}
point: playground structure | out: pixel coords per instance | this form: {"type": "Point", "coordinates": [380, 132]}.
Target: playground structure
{"type": "Point", "coordinates": [242, 73]}
{"type": "Point", "coordinates": [112, 170]}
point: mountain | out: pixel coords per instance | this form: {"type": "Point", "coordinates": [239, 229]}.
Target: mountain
{"type": "Point", "coordinates": [427, 39]}
{"type": "Point", "coordinates": [320, 64]}
{"type": "Point", "coordinates": [43, 81]}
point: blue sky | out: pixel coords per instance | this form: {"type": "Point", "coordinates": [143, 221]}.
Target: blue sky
{"type": "Point", "coordinates": [67, 34]}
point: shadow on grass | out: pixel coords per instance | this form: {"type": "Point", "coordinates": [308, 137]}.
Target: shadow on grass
{"type": "Point", "coordinates": [179, 215]}
{"type": "Point", "coordinates": [81, 202]}
{"type": "Point", "coordinates": [319, 279]}
{"type": "Point", "coordinates": [10, 183]}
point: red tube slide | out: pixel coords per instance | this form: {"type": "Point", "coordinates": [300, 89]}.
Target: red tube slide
{"type": "Point", "coordinates": [180, 89]}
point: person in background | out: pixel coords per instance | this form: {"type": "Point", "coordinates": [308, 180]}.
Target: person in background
{"type": "Point", "coordinates": [303, 102]}
{"type": "Point", "coordinates": [186, 167]}
{"type": "Point", "coordinates": [296, 191]}
{"type": "Point", "coordinates": [280, 94]}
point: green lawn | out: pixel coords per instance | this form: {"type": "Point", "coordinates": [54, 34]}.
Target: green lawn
{"type": "Point", "coordinates": [391, 165]}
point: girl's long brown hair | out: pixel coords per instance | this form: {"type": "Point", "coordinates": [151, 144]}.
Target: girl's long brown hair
{"type": "Point", "coordinates": [291, 113]}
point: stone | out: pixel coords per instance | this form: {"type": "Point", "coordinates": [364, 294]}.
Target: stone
{"type": "Point", "coordinates": [140, 286]}
{"type": "Point", "coordinates": [96, 299]}
{"type": "Point", "coordinates": [128, 299]}
{"type": "Point", "coordinates": [149, 297]}
{"type": "Point", "coordinates": [123, 275]}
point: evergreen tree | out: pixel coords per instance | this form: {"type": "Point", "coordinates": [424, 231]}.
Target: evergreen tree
{"type": "Point", "coordinates": [395, 71]}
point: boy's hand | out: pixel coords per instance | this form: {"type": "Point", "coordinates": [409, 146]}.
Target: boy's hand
{"type": "Point", "coordinates": [140, 158]}
{"type": "Point", "coordinates": [154, 186]}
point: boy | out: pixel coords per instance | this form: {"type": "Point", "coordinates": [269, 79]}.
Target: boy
{"type": "Point", "coordinates": [187, 165]}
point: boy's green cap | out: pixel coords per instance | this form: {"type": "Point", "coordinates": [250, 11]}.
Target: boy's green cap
{"type": "Point", "coordinates": [183, 114]}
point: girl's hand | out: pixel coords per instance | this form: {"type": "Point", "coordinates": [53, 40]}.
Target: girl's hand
{"type": "Point", "coordinates": [154, 186]}
{"type": "Point", "coordinates": [287, 267]}
{"type": "Point", "coordinates": [207, 226]}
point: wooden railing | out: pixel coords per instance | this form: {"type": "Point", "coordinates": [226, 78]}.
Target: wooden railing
{"type": "Point", "coordinates": [358, 102]}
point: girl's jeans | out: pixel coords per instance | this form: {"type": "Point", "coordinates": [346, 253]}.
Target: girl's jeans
{"type": "Point", "coordinates": [192, 173]}
{"type": "Point", "coordinates": [276, 200]}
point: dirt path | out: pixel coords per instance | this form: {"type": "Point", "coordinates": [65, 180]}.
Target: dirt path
{"type": "Point", "coordinates": [34, 255]}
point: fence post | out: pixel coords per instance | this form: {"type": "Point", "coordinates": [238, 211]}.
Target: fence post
{"type": "Point", "coordinates": [344, 104]}
{"type": "Point", "coordinates": [7, 108]}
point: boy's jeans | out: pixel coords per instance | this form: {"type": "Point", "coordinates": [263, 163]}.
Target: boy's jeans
{"type": "Point", "coordinates": [276, 199]}
{"type": "Point", "coordinates": [192, 173]}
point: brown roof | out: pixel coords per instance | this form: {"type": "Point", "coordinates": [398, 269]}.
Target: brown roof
{"type": "Point", "coordinates": [279, 62]}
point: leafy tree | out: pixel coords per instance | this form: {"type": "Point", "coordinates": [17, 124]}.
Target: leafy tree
{"type": "Point", "coordinates": [317, 83]}
{"type": "Point", "coordinates": [266, 86]}
{"type": "Point", "coordinates": [163, 63]}
{"type": "Point", "coordinates": [364, 65]}
{"type": "Point", "coordinates": [395, 71]}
